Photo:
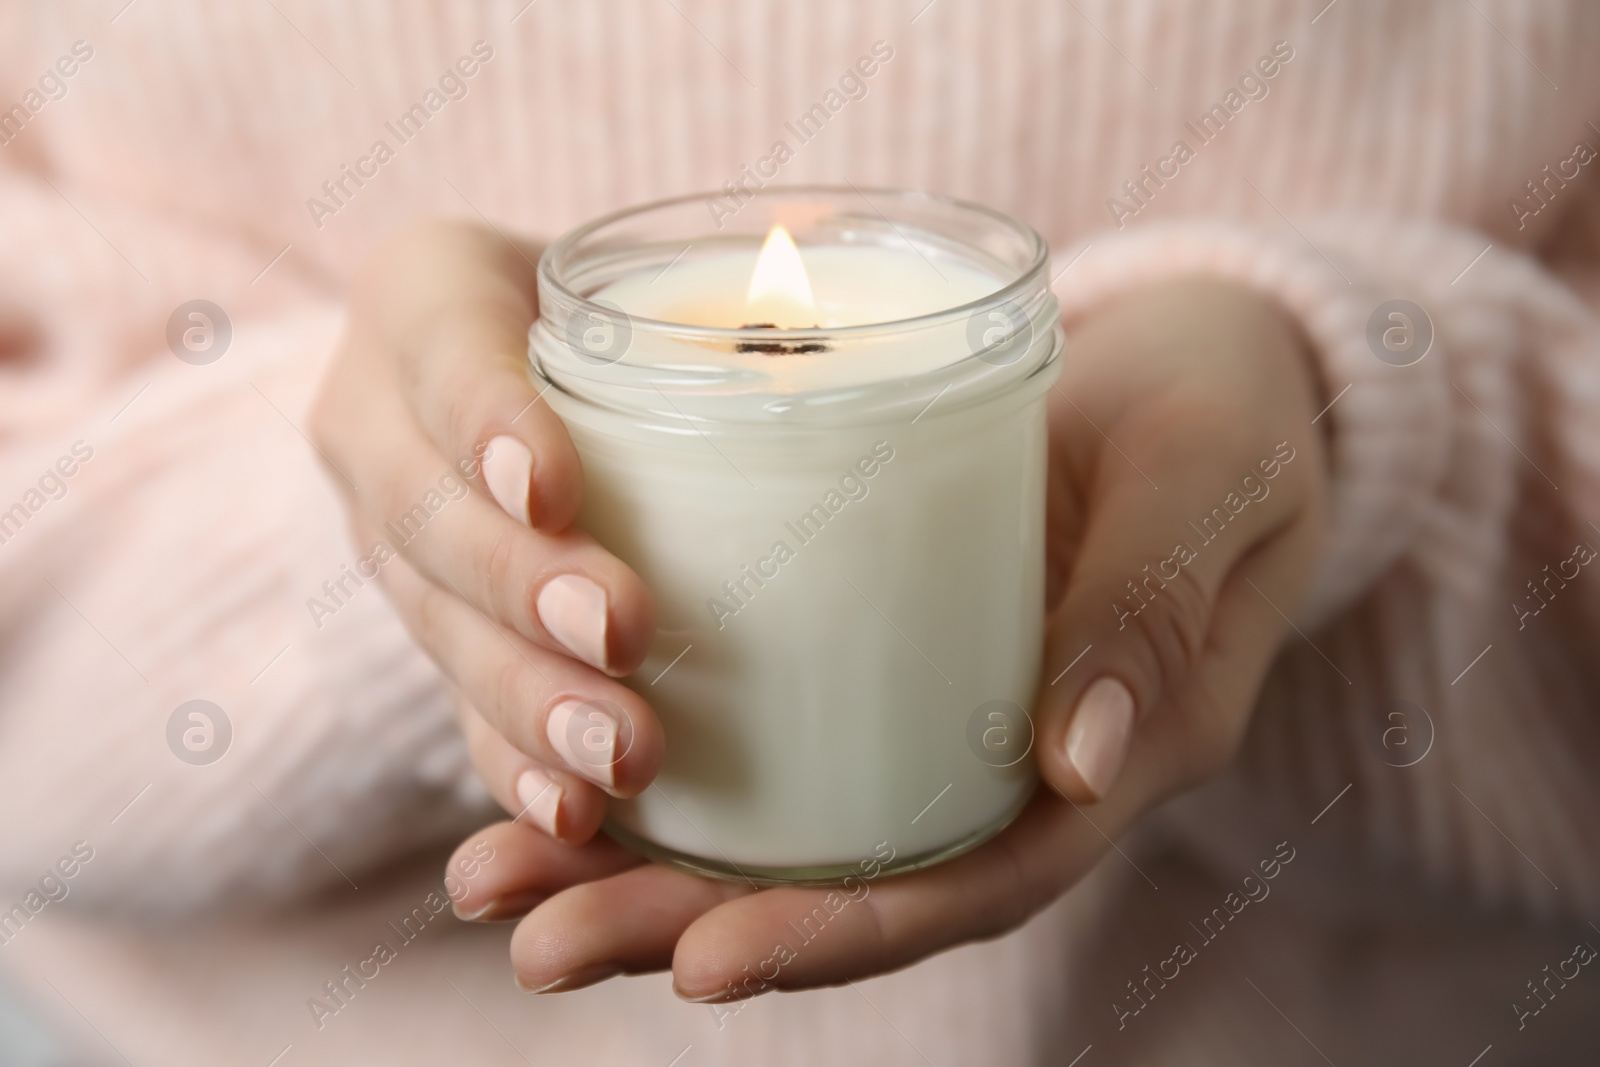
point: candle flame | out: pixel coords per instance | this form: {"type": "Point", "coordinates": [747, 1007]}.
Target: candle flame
{"type": "Point", "coordinates": [780, 291]}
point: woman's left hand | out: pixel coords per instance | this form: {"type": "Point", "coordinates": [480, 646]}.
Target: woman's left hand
{"type": "Point", "coordinates": [1176, 400]}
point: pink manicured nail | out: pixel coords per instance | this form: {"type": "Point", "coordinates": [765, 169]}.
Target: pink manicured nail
{"type": "Point", "coordinates": [502, 909]}
{"type": "Point", "coordinates": [583, 976]}
{"type": "Point", "coordinates": [508, 468]}
{"type": "Point", "coordinates": [573, 610]}
{"type": "Point", "coordinates": [1097, 740]}
{"type": "Point", "coordinates": [540, 798]}
{"type": "Point", "coordinates": [721, 996]}
{"type": "Point", "coordinates": [586, 736]}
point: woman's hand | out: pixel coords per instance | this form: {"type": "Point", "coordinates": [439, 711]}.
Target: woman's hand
{"type": "Point", "coordinates": [462, 485]}
{"type": "Point", "coordinates": [1186, 501]}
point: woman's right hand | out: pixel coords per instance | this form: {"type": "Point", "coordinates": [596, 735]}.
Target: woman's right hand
{"type": "Point", "coordinates": [448, 456]}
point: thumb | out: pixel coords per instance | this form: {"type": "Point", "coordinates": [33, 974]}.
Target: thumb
{"type": "Point", "coordinates": [1138, 610]}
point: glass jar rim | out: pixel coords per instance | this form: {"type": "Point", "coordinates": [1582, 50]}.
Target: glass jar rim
{"type": "Point", "coordinates": [555, 256]}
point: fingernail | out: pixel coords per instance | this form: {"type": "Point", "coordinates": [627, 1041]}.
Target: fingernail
{"type": "Point", "coordinates": [508, 469]}
{"type": "Point", "coordinates": [573, 610]}
{"type": "Point", "coordinates": [721, 996]}
{"type": "Point", "coordinates": [540, 798]}
{"type": "Point", "coordinates": [595, 972]}
{"type": "Point", "coordinates": [1097, 740]}
{"type": "Point", "coordinates": [586, 736]}
{"type": "Point", "coordinates": [512, 906]}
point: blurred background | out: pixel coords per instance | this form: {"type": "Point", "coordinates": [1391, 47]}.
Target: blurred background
{"type": "Point", "coordinates": [250, 799]}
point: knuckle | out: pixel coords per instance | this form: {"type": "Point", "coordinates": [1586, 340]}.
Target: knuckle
{"type": "Point", "coordinates": [422, 613]}
{"type": "Point", "coordinates": [405, 511]}
{"type": "Point", "coordinates": [461, 419]}
{"type": "Point", "coordinates": [508, 689]}
{"type": "Point", "coordinates": [1015, 908]}
{"type": "Point", "coordinates": [503, 576]}
{"type": "Point", "coordinates": [1172, 629]}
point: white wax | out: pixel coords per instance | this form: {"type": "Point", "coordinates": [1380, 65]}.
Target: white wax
{"type": "Point", "coordinates": [834, 605]}
{"type": "Point", "coordinates": [852, 285]}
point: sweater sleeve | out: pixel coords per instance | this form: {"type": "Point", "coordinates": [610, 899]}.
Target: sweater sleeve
{"type": "Point", "coordinates": [162, 525]}
{"type": "Point", "coordinates": [1496, 333]}
{"type": "Point", "coordinates": [1465, 491]}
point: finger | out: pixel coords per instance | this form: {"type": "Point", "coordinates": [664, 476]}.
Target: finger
{"type": "Point", "coordinates": [628, 923]}
{"type": "Point", "coordinates": [1211, 399]}
{"type": "Point", "coordinates": [457, 301]}
{"type": "Point", "coordinates": [555, 801]}
{"type": "Point", "coordinates": [465, 371]}
{"type": "Point", "coordinates": [805, 937]}
{"type": "Point", "coordinates": [1131, 625]}
{"type": "Point", "coordinates": [796, 938]}
{"type": "Point", "coordinates": [505, 869]}
{"type": "Point", "coordinates": [1171, 753]}
{"type": "Point", "coordinates": [470, 384]}
{"type": "Point", "coordinates": [550, 707]}
{"type": "Point", "coordinates": [561, 590]}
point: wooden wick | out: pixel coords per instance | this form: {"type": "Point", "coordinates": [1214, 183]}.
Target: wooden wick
{"type": "Point", "coordinates": [777, 348]}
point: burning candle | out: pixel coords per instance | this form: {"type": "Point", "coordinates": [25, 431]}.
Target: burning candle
{"type": "Point", "coordinates": [818, 435]}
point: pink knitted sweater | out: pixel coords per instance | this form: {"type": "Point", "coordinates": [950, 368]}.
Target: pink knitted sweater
{"type": "Point", "coordinates": [163, 522]}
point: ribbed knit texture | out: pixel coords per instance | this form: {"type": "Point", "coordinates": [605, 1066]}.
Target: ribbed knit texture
{"type": "Point", "coordinates": [1379, 165]}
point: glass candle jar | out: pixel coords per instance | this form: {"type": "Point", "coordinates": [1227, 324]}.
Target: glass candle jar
{"type": "Point", "coordinates": [841, 515]}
